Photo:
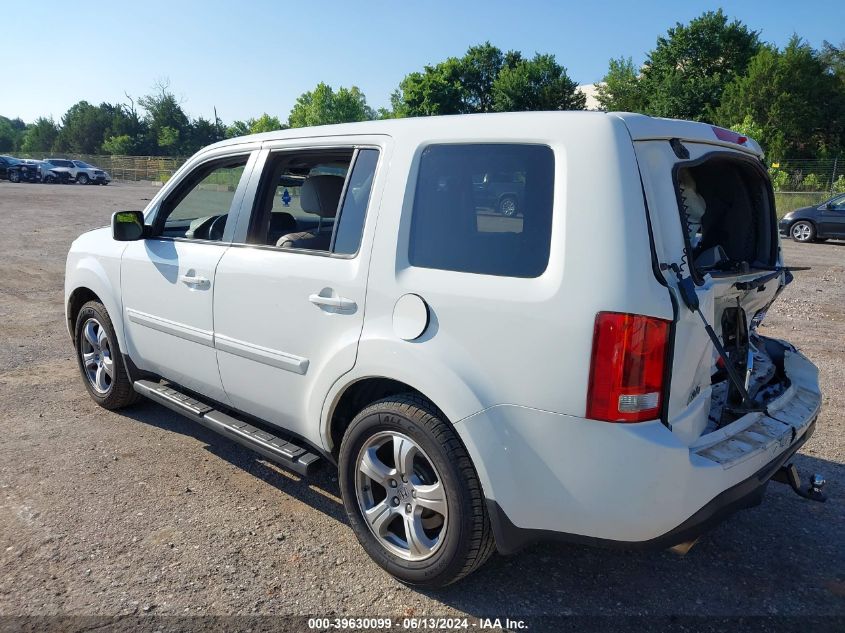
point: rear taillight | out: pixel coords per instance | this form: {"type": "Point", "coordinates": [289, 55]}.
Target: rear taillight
{"type": "Point", "coordinates": [627, 367]}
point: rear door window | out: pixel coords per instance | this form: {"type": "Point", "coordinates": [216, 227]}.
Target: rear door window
{"type": "Point", "coordinates": [483, 208]}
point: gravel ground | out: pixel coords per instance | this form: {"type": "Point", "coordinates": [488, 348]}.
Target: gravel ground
{"type": "Point", "coordinates": [143, 512]}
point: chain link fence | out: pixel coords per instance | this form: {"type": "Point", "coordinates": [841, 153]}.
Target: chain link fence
{"type": "Point", "coordinates": [804, 182]}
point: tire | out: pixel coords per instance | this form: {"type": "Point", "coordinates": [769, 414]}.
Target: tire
{"type": "Point", "coordinates": [14, 176]}
{"type": "Point", "coordinates": [96, 351]}
{"type": "Point", "coordinates": [508, 206]}
{"type": "Point", "coordinates": [82, 179]}
{"type": "Point", "coordinates": [451, 542]}
{"type": "Point", "coordinates": [802, 231]}
{"type": "Point", "coordinates": [48, 179]}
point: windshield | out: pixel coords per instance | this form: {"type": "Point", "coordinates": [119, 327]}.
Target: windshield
{"type": "Point", "coordinates": [83, 165]}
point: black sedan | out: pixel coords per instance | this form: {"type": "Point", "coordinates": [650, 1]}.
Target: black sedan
{"type": "Point", "coordinates": [821, 222]}
{"type": "Point", "coordinates": [16, 170]}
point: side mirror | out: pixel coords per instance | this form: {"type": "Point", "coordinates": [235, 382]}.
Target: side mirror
{"type": "Point", "coordinates": [127, 226]}
{"type": "Point", "coordinates": [829, 206]}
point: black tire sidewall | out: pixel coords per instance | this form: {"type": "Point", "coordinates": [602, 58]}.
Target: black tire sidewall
{"type": "Point", "coordinates": [447, 562]}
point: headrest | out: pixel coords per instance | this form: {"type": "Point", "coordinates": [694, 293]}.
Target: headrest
{"type": "Point", "coordinates": [282, 221]}
{"type": "Point", "coordinates": [321, 195]}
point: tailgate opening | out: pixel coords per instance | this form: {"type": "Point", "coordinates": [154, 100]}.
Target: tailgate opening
{"type": "Point", "coordinates": [728, 214]}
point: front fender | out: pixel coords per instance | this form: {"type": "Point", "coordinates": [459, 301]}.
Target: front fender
{"type": "Point", "coordinates": [98, 272]}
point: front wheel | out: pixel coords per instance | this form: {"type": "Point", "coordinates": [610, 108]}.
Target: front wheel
{"type": "Point", "coordinates": [411, 493]}
{"type": "Point", "coordinates": [803, 231]}
{"type": "Point", "coordinates": [82, 179]}
{"type": "Point", "coordinates": [14, 176]}
{"type": "Point", "coordinates": [99, 358]}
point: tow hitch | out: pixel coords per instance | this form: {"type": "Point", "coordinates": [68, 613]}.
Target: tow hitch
{"type": "Point", "coordinates": [788, 474]}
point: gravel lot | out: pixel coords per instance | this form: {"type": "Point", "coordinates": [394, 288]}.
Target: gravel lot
{"type": "Point", "coordinates": [143, 512]}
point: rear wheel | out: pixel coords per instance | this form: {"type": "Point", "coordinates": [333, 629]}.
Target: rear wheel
{"type": "Point", "coordinates": [100, 360]}
{"type": "Point", "coordinates": [803, 231]}
{"type": "Point", "coordinates": [82, 179]}
{"type": "Point", "coordinates": [14, 176]}
{"type": "Point", "coordinates": [508, 206]}
{"type": "Point", "coordinates": [412, 494]}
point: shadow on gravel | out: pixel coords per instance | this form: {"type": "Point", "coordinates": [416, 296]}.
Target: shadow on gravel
{"type": "Point", "coordinates": [784, 557]}
{"type": "Point", "coordinates": [292, 484]}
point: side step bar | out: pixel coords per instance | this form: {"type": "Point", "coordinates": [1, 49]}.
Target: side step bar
{"type": "Point", "coordinates": [281, 451]}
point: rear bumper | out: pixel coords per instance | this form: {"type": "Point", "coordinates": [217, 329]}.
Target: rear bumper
{"type": "Point", "coordinates": [550, 476]}
{"type": "Point", "coordinates": [746, 494]}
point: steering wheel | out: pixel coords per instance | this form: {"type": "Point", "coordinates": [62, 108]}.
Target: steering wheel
{"type": "Point", "coordinates": [215, 231]}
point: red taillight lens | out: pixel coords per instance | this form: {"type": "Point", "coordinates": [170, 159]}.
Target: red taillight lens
{"type": "Point", "coordinates": [627, 367]}
{"type": "Point", "coordinates": [729, 135]}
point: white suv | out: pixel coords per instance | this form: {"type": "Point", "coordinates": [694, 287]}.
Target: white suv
{"type": "Point", "coordinates": [587, 367]}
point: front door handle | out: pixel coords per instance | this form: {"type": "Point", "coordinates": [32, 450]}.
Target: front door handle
{"type": "Point", "coordinates": [191, 280]}
{"type": "Point", "coordinates": [339, 303]}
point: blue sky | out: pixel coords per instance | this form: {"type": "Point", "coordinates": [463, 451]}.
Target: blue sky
{"type": "Point", "coordinates": [246, 57]}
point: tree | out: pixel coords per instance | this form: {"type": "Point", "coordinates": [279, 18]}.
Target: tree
{"type": "Point", "coordinates": [797, 104]}
{"type": "Point", "coordinates": [485, 80]}
{"type": "Point", "coordinates": [167, 123]}
{"type": "Point", "coordinates": [11, 134]}
{"type": "Point", "coordinates": [323, 106]}
{"type": "Point", "coordinates": [123, 145]}
{"type": "Point", "coordinates": [265, 123]}
{"type": "Point", "coordinates": [83, 128]}
{"type": "Point", "coordinates": [40, 136]}
{"type": "Point", "coordinates": [536, 84]}
{"type": "Point", "coordinates": [686, 73]}
{"type": "Point", "coordinates": [834, 58]}
{"type": "Point", "coordinates": [237, 128]}
{"type": "Point", "coordinates": [620, 89]}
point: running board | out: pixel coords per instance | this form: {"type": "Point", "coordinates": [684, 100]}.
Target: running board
{"type": "Point", "coordinates": [279, 450]}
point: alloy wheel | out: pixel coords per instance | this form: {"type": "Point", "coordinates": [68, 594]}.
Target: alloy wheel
{"type": "Point", "coordinates": [401, 496]}
{"type": "Point", "coordinates": [95, 350]}
{"type": "Point", "coordinates": [802, 231]}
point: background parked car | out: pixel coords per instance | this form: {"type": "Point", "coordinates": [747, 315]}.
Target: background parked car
{"type": "Point", "coordinates": [55, 170]}
{"type": "Point", "coordinates": [17, 170]}
{"type": "Point", "coordinates": [79, 171]}
{"type": "Point", "coordinates": [499, 191]}
{"type": "Point", "coordinates": [816, 223]}
{"type": "Point", "coordinates": [89, 174]}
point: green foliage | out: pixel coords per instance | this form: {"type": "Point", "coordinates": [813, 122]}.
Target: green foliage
{"type": "Point", "coordinates": [323, 106]}
{"type": "Point", "coordinates": [811, 182]}
{"type": "Point", "coordinates": [839, 184]}
{"type": "Point", "coordinates": [11, 134]}
{"type": "Point", "coordinates": [779, 177]}
{"type": "Point", "coordinates": [686, 73]}
{"type": "Point", "coordinates": [265, 123]}
{"type": "Point", "coordinates": [536, 84]}
{"type": "Point", "coordinates": [797, 102]}
{"type": "Point", "coordinates": [41, 136]}
{"type": "Point", "coordinates": [620, 89]}
{"type": "Point", "coordinates": [123, 145]}
{"type": "Point", "coordinates": [237, 128]}
{"type": "Point", "coordinates": [486, 80]}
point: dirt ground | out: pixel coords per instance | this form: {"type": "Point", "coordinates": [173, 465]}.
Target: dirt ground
{"type": "Point", "coordinates": [142, 512]}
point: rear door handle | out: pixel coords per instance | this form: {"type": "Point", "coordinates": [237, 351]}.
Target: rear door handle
{"type": "Point", "coordinates": [191, 280]}
{"type": "Point", "coordinates": [341, 303]}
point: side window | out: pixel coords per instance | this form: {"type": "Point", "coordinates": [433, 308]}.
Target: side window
{"type": "Point", "coordinates": [199, 208]}
{"type": "Point", "coordinates": [350, 225]}
{"type": "Point", "coordinates": [483, 208]}
{"type": "Point", "coordinates": [314, 200]}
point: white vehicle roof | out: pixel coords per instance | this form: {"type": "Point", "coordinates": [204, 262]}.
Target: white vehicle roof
{"type": "Point", "coordinates": [641, 127]}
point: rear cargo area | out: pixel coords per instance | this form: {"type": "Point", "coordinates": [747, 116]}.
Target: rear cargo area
{"type": "Point", "coordinates": [732, 392]}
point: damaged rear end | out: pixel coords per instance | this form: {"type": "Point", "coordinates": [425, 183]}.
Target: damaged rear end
{"type": "Point", "coordinates": [743, 403]}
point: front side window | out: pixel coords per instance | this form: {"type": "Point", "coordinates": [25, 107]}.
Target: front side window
{"type": "Point", "coordinates": [483, 208]}
{"type": "Point", "coordinates": [199, 208]}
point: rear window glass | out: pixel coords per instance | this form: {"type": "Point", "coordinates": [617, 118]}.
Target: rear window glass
{"type": "Point", "coordinates": [483, 208]}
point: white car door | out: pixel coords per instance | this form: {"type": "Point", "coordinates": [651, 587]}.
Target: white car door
{"type": "Point", "coordinates": [167, 279]}
{"type": "Point", "coordinates": [288, 318]}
